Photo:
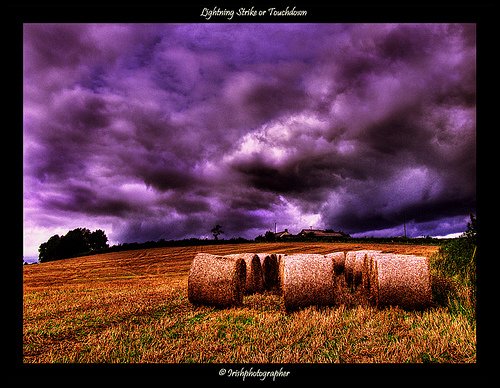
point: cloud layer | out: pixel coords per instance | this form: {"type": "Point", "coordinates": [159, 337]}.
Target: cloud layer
{"type": "Point", "coordinates": [160, 131]}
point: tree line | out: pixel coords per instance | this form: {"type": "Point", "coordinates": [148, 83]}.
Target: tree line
{"type": "Point", "coordinates": [81, 241]}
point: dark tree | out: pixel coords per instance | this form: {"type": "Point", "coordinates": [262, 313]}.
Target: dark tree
{"type": "Point", "coordinates": [270, 236]}
{"type": "Point", "coordinates": [49, 250]}
{"type": "Point", "coordinates": [471, 232]}
{"type": "Point", "coordinates": [76, 242]}
{"type": "Point", "coordinates": [98, 240]}
{"type": "Point", "coordinates": [216, 231]}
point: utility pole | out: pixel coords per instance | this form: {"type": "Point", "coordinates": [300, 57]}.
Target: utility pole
{"type": "Point", "coordinates": [404, 224]}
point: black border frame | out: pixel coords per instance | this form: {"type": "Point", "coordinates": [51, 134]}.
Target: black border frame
{"type": "Point", "coordinates": [480, 12]}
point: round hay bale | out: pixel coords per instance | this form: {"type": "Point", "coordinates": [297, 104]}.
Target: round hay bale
{"type": "Point", "coordinates": [338, 261]}
{"type": "Point", "coordinates": [402, 281]}
{"type": "Point", "coordinates": [350, 258]}
{"type": "Point", "coordinates": [356, 264]}
{"type": "Point", "coordinates": [353, 267]}
{"type": "Point", "coordinates": [281, 263]}
{"type": "Point", "coordinates": [367, 262]}
{"type": "Point", "coordinates": [308, 279]}
{"type": "Point", "coordinates": [357, 269]}
{"type": "Point", "coordinates": [254, 278]}
{"type": "Point", "coordinates": [269, 264]}
{"type": "Point", "coordinates": [216, 280]}
{"type": "Point", "coordinates": [371, 268]}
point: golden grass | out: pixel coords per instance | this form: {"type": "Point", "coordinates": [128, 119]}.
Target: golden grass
{"type": "Point", "coordinates": [132, 307]}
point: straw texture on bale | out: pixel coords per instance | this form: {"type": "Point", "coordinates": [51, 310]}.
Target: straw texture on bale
{"type": "Point", "coordinates": [269, 264]}
{"type": "Point", "coordinates": [254, 278]}
{"type": "Point", "coordinates": [357, 269]}
{"type": "Point", "coordinates": [355, 263]}
{"type": "Point", "coordinates": [371, 268]}
{"type": "Point", "coordinates": [350, 258]}
{"type": "Point", "coordinates": [367, 268]}
{"type": "Point", "coordinates": [308, 279]}
{"type": "Point", "coordinates": [216, 280]}
{"type": "Point", "coordinates": [402, 281]}
{"type": "Point", "coordinates": [353, 267]}
{"type": "Point", "coordinates": [281, 263]}
{"type": "Point", "coordinates": [338, 261]}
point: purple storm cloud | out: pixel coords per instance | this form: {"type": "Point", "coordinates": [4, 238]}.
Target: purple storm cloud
{"type": "Point", "coordinates": [153, 131]}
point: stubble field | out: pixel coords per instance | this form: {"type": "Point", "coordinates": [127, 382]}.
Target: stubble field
{"type": "Point", "coordinates": [132, 307]}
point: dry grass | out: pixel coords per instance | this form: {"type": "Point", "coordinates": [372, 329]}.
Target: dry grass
{"type": "Point", "coordinates": [132, 307]}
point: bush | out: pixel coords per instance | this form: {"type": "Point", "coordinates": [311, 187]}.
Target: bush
{"type": "Point", "coordinates": [458, 261]}
{"type": "Point", "coordinates": [454, 273]}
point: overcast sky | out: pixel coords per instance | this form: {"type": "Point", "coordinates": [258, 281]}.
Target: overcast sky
{"type": "Point", "coordinates": [152, 131]}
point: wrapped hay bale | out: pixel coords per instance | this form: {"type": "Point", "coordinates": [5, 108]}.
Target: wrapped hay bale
{"type": "Point", "coordinates": [216, 280]}
{"type": "Point", "coordinates": [254, 277]}
{"type": "Point", "coordinates": [308, 279]}
{"type": "Point", "coordinates": [403, 280]}
{"type": "Point", "coordinates": [269, 264]}
{"type": "Point", "coordinates": [338, 261]}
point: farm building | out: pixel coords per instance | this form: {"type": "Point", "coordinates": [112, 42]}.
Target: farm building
{"type": "Point", "coordinates": [321, 233]}
{"type": "Point", "coordinates": [283, 234]}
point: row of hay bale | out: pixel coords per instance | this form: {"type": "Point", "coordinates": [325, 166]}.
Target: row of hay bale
{"type": "Point", "coordinates": [307, 279]}
{"type": "Point", "coordinates": [223, 280]}
{"type": "Point", "coordinates": [390, 279]}
{"type": "Point", "coordinates": [310, 279]}
{"type": "Point", "coordinates": [402, 280]}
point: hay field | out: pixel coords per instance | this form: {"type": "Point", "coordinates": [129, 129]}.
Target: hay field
{"type": "Point", "coordinates": [132, 307]}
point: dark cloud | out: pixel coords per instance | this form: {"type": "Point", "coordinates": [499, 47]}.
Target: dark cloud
{"type": "Point", "coordinates": [407, 43]}
{"type": "Point", "coordinates": [160, 131]}
{"type": "Point", "coordinates": [58, 45]}
{"type": "Point", "coordinates": [81, 199]}
{"type": "Point", "coordinates": [399, 134]}
{"type": "Point", "coordinates": [305, 175]}
{"type": "Point", "coordinates": [365, 219]}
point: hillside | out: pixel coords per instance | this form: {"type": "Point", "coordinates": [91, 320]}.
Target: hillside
{"type": "Point", "coordinates": [132, 307]}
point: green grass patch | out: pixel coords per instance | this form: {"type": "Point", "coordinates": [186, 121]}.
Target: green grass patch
{"type": "Point", "coordinates": [453, 270]}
